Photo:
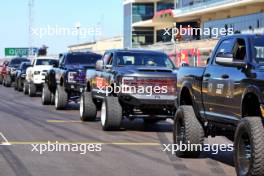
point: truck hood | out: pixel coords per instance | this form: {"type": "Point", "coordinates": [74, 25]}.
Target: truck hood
{"type": "Point", "coordinates": [144, 69]}
{"type": "Point", "coordinates": [42, 67]}
{"type": "Point", "coordinates": [79, 67]}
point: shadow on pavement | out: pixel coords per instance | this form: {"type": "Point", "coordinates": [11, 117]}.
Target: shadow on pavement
{"type": "Point", "coordinates": [73, 106]}
{"type": "Point", "coordinates": [139, 125]}
{"type": "Point", "coordinates": [224, 157]}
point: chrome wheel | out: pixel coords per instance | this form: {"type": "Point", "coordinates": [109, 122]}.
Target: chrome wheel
{"type": "Point", "coordinates": [244, 153]}
{"type": "Point", "coordinates": [56, 98]}
{"type": "Point", "coordinates": [81, 107]}
{"type": "Point", "coordinates": [103, 114]}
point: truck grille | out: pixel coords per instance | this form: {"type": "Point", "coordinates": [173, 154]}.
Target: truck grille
{"type": "Point", "coordinates": [166, 84]}
{"type": "Point", "coordinates": [80, 77]}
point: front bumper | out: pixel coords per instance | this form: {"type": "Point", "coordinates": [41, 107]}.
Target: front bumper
{"type": "Point", "coordinates": [13, 77]}
{"type": "Point", "coordinates": [145, 100]}
{"type": "Point", "coordinates": [75, 87]}
{"type": "Point", "coordinates": [39, 79]}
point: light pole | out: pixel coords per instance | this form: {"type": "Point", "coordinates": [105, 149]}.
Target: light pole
{"type": "Point", "coordinates": [30, 22]}
{"type": "Point", "coordinates": [78, 26]}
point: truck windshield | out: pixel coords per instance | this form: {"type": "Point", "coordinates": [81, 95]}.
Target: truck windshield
{"type": "Point", "coordinates": [258, 50]}
{"type": "Point", "coordinates": [144, 59]}
{"type": "Point", "coordinates": [82, 59]}
{"type": "Point", "coordinates": [24, 66]}
{"type": "Point", "coordinates": [17, 62]}
{"type": "Point", "coordinates": [45, 62]}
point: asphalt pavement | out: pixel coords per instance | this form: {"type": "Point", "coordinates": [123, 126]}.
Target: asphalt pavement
{"type": "Point", "coordinates": [135, 150]}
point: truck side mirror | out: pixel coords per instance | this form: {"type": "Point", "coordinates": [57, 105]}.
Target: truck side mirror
{"type": "Point", "coordinates": [99, 65]}
{"type": "Point", "coordinates": [227, 59]}
{"type": "Point", "coordinates": [55, 65]}
{"type": "Point", "coordinates": [225, 55]}
{"type": "Point", "coordinates": [109, 67]}
{"type": "Point", "coordinates": [184, 64]}
{"type": "Point", "coordinates": [208, 60]}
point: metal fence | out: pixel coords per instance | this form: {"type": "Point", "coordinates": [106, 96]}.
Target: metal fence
{"type": "Point", "coordinates": [193, 56]}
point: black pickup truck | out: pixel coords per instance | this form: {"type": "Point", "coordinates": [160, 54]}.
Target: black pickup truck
{"type": "Point", "coordinates": [226, 98]}
{"type": "Point", "coordinates": [132, 84]}
{"type": "Point", "coordinates": [66, 80]}
{"type": "Point", "coordinates": [21, 75]}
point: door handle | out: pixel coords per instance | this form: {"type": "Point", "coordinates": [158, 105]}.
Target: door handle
{"type": "Point", "coordinates": [207, 75]}
{"type": "Point", "coordinates": [225, 76]}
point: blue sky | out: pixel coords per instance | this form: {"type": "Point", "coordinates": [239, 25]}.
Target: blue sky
{"type": "Point", "coordinates": [61, 13]}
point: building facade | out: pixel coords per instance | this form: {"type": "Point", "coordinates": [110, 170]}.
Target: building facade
{"type": "Point", "coordinates": [152, 23]}
{"type": "Point", "coordinates": [142, 23]}
{"type": "Point", "coordinates": [239, 15]}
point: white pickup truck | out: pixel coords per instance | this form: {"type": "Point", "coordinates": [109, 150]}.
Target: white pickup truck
{"type": "Point", "coordinates": [35, 75]}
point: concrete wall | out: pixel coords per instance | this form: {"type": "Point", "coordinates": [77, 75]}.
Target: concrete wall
{"type": "Point", "coordinates": [99, 46]}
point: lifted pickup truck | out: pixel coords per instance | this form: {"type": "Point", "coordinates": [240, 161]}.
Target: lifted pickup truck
{"type": "Point", "coordinates": [132, 84]}
{"type": "Point", "coordinates": [226, 98]}
{"type": "Point", "coordinates": [10, 74]}
{"type": "Point", "coordinates": [35, 75]}
{"type": "Point", "coordinates": [67, 80]}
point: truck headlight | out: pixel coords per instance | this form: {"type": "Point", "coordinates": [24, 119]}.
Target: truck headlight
{"type": "Point", "coordinates": [128, 80]}
{"type": "Point", "coordinates": [129, 85]}
{"type": "Point", "coordinates": [71, 77]}
{"type": "Point", "coordinates": [36, 72]}
{"type": "Point", "coordinates": [13, 69]}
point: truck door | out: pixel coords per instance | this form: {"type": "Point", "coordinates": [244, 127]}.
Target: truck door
{"type": "Point", "coordinates": [236, 78]}
{"type": "Point", "coordinates": [101, 80]}
{"type": "Point", "coordinates": [108, 73]}
{"type": "Point", "coordinates": [222, 84]}
{"type": "Point", "coordinates": [59, 71]}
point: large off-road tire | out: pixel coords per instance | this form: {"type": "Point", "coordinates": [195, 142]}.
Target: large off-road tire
{"type": "Point", "coordinates": [1, 79]}
{"type": "Point", "coordinates": [19, 85]}
{"type": "Point", "coordinates": [32, 89]}
{"type": "Point", "coordinates": [8, 81]}
{"type": "Point", "coordinates": [46, 95]}
{"type": "Point", "coordinates": [52, 100]}
{"type": "Point", "coordinates": [111, 114]}
{"type": "Point", "coordinates": [87, 107]}
{"type": "Point", "coordinates": [16, 86]}
{"type": "Point", "coordinates": [249, 147]}
{"type": "Point", "coordinates": [61, 98]}
{"type": "Point", "coordinates": [25, 88]}
{"type": "Point", "coordinates": [187, 129]}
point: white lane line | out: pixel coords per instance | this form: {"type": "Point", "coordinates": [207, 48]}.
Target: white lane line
{"type": "Point", "coordinates": [5, 140]}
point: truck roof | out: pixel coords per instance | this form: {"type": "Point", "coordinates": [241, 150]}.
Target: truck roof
{"type": "Point", "coordinates": [76, 53]}
{"type": "Point", "coordinates": [136, 51]}
{"type": "Point", "coordinates": [245, 36]}
{"type": "Point", "coordinates": [46, 57]}
{"type": "Point", "coordinates": [18, 58]}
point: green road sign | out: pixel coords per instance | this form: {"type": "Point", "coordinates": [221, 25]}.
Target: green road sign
{"type": "Point", "coordinates": [16, 51]}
